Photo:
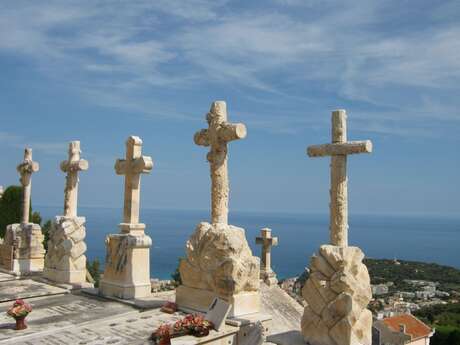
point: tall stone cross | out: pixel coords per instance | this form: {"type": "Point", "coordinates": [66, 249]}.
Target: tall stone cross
{"type": "Point", "coordinates": [338, 150]}
{"type": "Point", "coordinates": [72, 166]}
{"type": "Point", "coordinates": [267, 242]}
{"type": "Point", "coordinates": [217, 135]}
{"type": "Point", "coordinates": [132, 167]}
{"type": "Point", "coordinates": [26, 169]}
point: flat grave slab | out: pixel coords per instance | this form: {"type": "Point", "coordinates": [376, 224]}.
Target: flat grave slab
{"type": "Point", "coordinates": [52, 314]}
{"type": "Point", "coordinates": [26, 288]}
{"type": "Point", "coordinates": [132, 328]}
{"type": "Point", "coordinates": [6, 277]}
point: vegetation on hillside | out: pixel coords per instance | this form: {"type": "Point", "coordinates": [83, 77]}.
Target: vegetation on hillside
{"type": "Point", "coordinates": [383, 270]}
{"type": "Point", "coordinates": [445, 318]}
{"type": "Point", "coordinates": [10, 209]}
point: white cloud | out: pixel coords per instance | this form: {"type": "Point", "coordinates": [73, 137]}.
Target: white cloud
{"type": "Point", "coordinates": [364, 52]}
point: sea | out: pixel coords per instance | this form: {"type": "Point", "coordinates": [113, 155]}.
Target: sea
{"type": "Point", "coordinates": [418, 238]}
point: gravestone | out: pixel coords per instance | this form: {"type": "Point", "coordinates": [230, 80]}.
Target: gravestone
{"type": "Point", "coordinates": [267, 242]}
{"type": "Point", "coordinates": [219, 262]}
{"type": "Point", "coordinates": [25, 240]}
{"type": "Point", "coordinates": [127, 263]}
{"type": "Point", "coordinates": [65, 261]}
{"type": "Point", "coordinates": [338, 289]}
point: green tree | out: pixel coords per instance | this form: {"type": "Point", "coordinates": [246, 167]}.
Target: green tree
{"type": "Point", "coordinates": [10, 208]}
{"type": "Point", "coordinates": [46, 233]}
{"type": "Point", "coordinates": [94, 269]}
{"type": "Point", "coordinates": [176, 275]}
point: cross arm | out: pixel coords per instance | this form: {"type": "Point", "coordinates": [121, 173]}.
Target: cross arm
{"type": "Point", "coordinates": [232, 131]}
{"type": "Point", "coordinates": [201, 138]}
{"type": "Point", "coordinates": [351, 147]}
{"type": "Point", "coordinates": [143, 164]}
{"type": "Point", "coordinates": [81, 164]}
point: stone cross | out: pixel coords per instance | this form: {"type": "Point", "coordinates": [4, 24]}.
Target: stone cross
{"type": "Point", "coordinates": [338, 150]}
{"type": "Point", "coordinates": [72, 166]}
{"type": "Point", "coordinates": [132, 167]}
{"type": "Point", "coordinates": [217, 135]}
{"type": "Point", "coordinates": [26, 169]}
{"type": "Point", "coordinates": [267, 242]}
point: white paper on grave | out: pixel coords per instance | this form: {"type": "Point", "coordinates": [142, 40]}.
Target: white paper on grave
{"type": "Point", "coordinates": [217, 312]}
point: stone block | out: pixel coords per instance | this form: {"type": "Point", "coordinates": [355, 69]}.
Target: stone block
{"type": "Point", "coordinates": [127, 266]}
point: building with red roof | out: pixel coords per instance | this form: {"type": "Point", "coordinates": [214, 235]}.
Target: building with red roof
{"type": "Point", "coordinates": [403, 329]}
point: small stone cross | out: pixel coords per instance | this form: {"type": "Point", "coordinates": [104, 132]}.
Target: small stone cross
{"type": "Point", "coordinates": [338, 150]}
{"type": "Point", "coordinates": [132, 167]}
{"type": "Point", "coordinates": [267, 242]}
{"type": "Point", "coordinates": [26, 169]}
{"type": "Point", "coordinates": [217, 135]}
{"type": "Point", "coordinates": [72, 166]}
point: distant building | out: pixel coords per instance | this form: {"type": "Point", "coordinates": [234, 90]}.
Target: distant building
{"type": "Point", "coordinates": [401, 330]}
{"type": "Point", "coordinates": [1, 191]}
{"type": "Point", "coordinates": [379, 289]}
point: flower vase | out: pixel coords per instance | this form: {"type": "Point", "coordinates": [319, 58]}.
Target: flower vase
{"type": "Point", "coordinates": [20, 323]}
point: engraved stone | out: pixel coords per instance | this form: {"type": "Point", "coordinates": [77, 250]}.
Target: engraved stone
{"type": "Point", "coordinates": [127, 267]}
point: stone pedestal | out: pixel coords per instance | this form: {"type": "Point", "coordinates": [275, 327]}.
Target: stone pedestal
{"type": "Point", "coordinates": [65, 261]}
{"type": "Point", "coordinates": [337, 292]}
{"type": "Point", "coordinates": [26, 242]}
{"type": "Point", "coordinates": [219, 263]}
{"type": "Point", "coordinates": [269, 277]}
{"type": "Point", "coordinates": [127, 264]}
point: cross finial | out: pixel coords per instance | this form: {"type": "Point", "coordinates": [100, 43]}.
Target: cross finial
{"type": "Point", "coordinates": [267, 242]}
{"type": "Point", "coordinates": [217, 135]}
{"type": "Point", "coordinates": [132, 167]}
{"type": "Point", "coordinates": [338, 150]}
{"type": "Point", "coordinates": [25, 170]}
{"type": "Point", "coordinates": [72, 166]}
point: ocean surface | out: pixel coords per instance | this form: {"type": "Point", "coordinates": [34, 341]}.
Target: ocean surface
{"type": "Point", "coordinates": [418, 238]}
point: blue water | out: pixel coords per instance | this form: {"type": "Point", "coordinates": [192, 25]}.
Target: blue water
{"type": "Point", "coordinates": [427, 239]}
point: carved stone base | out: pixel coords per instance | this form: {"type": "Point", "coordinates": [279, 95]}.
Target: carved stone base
{"type": "Point", "coordinates": [220, 263]}
{"type": "Point", "coordinates": [65, 261]}
{"type": "Point", "coordinates": [269, 278]}
{"type": "Point", "coordinates": [337, 293]}
{"type": "Point", "coordinates": [127, 266]}
{"type": "Point", "coordinates": [193, 299]}
{"type": "Point", "coordinates": [26, 245]}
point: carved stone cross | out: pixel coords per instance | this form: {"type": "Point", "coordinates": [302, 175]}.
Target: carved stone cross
{"type": "Point", "coordinates": [217, 135]}
{"type": "Point", "coordinates": [72, 166]}
{"type": "Point", "coordinates": [267, 242]}
{"type": "Point", "coordinates": [338, 150]}
{"type": "Point", "coordinates": [26, 169]}
{"type": "Point", "coordinates": [132, 167]}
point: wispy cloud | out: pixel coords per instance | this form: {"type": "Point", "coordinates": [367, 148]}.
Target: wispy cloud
{"type": "Point", "coordinates": [368, 54]}
{"type": "Point", "coordinates": [17, 141]}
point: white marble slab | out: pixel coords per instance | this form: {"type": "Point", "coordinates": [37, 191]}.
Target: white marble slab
{"type": "Point", "coordinates": [26, 288]}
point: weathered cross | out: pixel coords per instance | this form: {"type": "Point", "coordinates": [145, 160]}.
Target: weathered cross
{"type": "Point", "coordinates": [217, 135]}
{"type": "Point", "coordinates": [72, 166]}
{"type": "Point", "coordinates": [132, 167]}
{"type": "Point", "coordinates": [338, 150]}
{"type": "Point", "coordinates": [267, 242]}
{"type": "Point", "coordinates": [26, 169]}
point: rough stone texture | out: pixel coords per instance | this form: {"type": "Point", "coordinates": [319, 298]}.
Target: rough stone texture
{"type": "Point", "coordinates": [338, 150]}
{"type": "Point", "coordinates": [337, 293]}
{"type": "Point", "coordinates": [72, 166]}
{"type": "Point", "coordinates": [65, 261]}
{"type": "Point", "coordinates": [25, 170]}
{"type": "Point", "coordinates": [219, 259]}
{"type": "Point", "coordinates": [26, 242]}
{"type": "Point", "coordinates": [217, 135]}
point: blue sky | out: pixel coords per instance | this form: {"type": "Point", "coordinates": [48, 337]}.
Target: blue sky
{"type": "Point", "coordinates": [99, 71]}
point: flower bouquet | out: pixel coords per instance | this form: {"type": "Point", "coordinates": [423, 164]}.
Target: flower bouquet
{"type": "Point", "coordinates": [194, 325]}
{"type": "Point", "coordinates": [19, 311]}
